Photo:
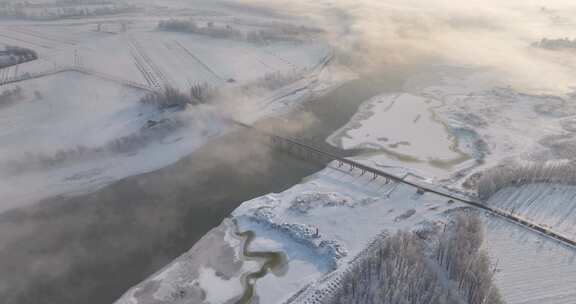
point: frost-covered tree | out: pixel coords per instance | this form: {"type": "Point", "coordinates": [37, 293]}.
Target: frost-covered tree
{"type": "Point", "coordinates": [273, 81]}
{"type": "Point", "coordinates": [409, 268]}
{"type": "Point", "coordinates": [171, 97]}
{"type": "Point", "coordinates": [210, 29]}
{"type": "Point", "coordinates": [459, 253]}
{"type": "Point", "coordinates": [38, 160]}
{"type": "Point", "coordinates": [516, 174]}
{"type": "Point", "coordinates": [177, 25]}
{"type": "Point", "coordinates": [227, 31]}
{"type": "Point", "coordinates": [555, 44]}
{"type": "Point", "coordinates": [396, 271]}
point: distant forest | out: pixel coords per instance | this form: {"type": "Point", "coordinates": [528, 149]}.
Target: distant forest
{"type": "Point", "coordinates": [64, 9]}
{"type": "Point", "coordinates": [555, 44]}
{"type": "Point", "coordinates": [229, 31]}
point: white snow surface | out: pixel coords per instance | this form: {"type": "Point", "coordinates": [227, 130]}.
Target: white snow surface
{"type": "Point", "coordinates": [218, 290]}
{"type": "Point", "coordinates": [446, 119]}
{"type": "Point", "coordinates": [350, 211]}
{"type": "Point", "coordinates": [402, 122]}
{"type": "Point", "coordinates": [531, 269]}
{"type": "Point", "coordinates": [195, 277]}
{"type": "Point", "coordinates": [549, 205]}
{"type": "Point", "coordinates": [61, 110]}
{"type": "Point", "coordinates": [338, 209]}
{"type": "Point", "coordinates": [405, 127]}
{"type": "Point", "coordinates": [67, 108]}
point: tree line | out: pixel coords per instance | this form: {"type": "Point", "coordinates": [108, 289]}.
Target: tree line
{"type": "Point", "coordinates": [174, 98]}
{"type": "Point", "coordinates": [555, 44]}
{"type": "Point", "coordinates": [227, 31]}
{"type": "Point", "coordinates": [55, 12]}
{"type": "Point", "coordinates": [514, 174]}
{"type": "Point", "coordinates": [38, 160]}
{"type": "Point", "coordinates": [447, 267]}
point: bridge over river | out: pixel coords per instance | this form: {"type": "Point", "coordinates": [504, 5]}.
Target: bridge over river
{"type": "Point", "coordinates": [312, 151]}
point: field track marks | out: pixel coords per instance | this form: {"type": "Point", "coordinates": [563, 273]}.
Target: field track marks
{"type": "Point", "coordinates": [19, 40]}
{"type": "Point", "coordinates": [160, 77]}
{"type": "Point", "coordinates": [43, 36]}
{"type": "Point", "coordinates": [200, 62]}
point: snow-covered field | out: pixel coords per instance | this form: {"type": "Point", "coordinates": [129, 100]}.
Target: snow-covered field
{"type": "Point", "coordinates": [454, 122]}
{"type": "Point", "coordinates": [196, 277]}
{"type": "Point", "coordinates": [59, 133]}
{"type": "Point", "coordinates": [41, 120]}
{"type": "Point", "coordinates": [530, 268]}
{"type": "Point", "coordinates": [550, 205]}
{"type": "Point", "coordinates": [70, 132]}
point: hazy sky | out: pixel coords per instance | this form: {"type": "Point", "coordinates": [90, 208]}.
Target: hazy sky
{"type": "Point", "coordinates": [489, 33]}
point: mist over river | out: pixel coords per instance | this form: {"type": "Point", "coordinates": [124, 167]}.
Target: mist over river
{"type": "Point", "coordinates": [91, 248]}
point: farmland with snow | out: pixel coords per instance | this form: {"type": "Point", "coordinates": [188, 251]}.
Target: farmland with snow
{"type": "Point", "coordinates": [78, 113]}
{"type": "Point", "coordinates": [529, 267]}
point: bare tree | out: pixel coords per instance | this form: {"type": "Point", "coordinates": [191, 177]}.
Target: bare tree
{"type": "Point", "coordinates": [171, 97]}
{"type": "Point", "coordinates": [516, 174]}
{"type": "Point", "coordinates": [401, 269]}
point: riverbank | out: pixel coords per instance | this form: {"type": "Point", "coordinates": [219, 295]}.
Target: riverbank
{"type": "Point", "coordinates": [323, 116]}
{"type": "Point", "coordinates": [94, 241]}
{"type": "Point", "coordinates": [324, 223]}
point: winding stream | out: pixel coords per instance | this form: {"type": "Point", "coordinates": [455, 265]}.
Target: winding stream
{"type": "Point", "coordinates": [274, 262]}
